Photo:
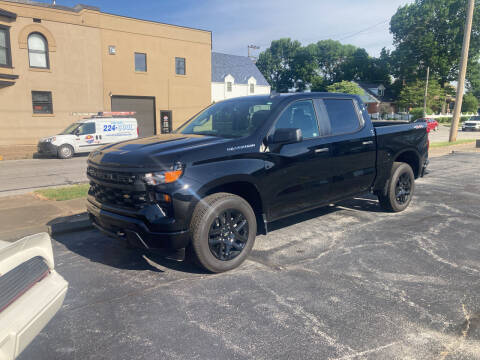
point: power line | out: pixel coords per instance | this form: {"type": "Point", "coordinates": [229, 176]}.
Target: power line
{"type": "Point", "coordinates": [364, 30]}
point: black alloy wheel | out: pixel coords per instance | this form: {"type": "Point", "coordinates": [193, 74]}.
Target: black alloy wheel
{"type": "Point", "coordinates": [400, 188]}
{"type": "Point", "coordinates": [403, 188]}
{"type": "Point", "coordinates": [222, 230]}
{"type": "Point", "coordinates": [228, 235]}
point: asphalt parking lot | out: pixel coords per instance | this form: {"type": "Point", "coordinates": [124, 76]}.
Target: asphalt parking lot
{"type": "Point", "coordinates": [342, 282]}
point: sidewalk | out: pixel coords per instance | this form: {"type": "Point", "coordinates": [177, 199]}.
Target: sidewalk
{"type": "Point", "coordinates": [16, 152]}
{"type": "Point", "coordinates": [24, 215]}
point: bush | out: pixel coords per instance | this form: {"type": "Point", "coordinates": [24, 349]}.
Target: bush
{"type": "Point", "coordinates": [448, 120]}
{"type": "Point", "coordinates": [346, 87]}
{"type": "Point", "coordinates": [417, 113]}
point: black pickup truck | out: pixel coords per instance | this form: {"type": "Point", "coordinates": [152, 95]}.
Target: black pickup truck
{"type": "Point", "coordinates": [219, 179]}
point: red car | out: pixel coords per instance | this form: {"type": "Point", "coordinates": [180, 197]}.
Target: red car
{"type": "Point", "coordinates": [432, 124]}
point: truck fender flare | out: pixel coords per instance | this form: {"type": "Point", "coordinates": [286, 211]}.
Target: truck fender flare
{"type": "Point", "coordinates": [207, 188]}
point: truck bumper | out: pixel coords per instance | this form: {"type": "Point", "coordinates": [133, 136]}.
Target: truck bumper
{"type": "Point", "coordinates": [135, 231]}
{"type": "Point", "coordinates": [424, 168]}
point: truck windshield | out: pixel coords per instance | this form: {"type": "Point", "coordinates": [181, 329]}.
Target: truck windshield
{"type": "Point", "coordinates": [231, 118]}
{"type": "Point", "coordinates": [70, 129]}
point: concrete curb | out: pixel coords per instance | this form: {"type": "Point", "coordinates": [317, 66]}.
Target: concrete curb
{"type": "Point", "coordinates": [77, 223]}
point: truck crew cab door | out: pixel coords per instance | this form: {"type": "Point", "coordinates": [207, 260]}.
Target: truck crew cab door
{"type": "Point", "coordinates": [297, 174]}
{"type": "Point", "coordinates": [353, 147]}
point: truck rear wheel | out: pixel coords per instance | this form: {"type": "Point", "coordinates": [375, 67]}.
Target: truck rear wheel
{"type": "Point", "coordinates": [223, 230]}
{"type": "Point", "coordinates": [65, 151]}
{"type": "Point", "coordinates": [400, 188]}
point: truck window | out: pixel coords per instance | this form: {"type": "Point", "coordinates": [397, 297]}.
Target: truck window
{"type": "Point", "coordinates": [300, 115]}
{"type": "Point", "coordinates": [87, 128]}
{"type": "Point", "coordinates": [342, 115]}
{"type": "Point", "coordinates": [234, 118]}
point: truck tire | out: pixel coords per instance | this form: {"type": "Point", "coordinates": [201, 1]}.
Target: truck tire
{"type": "Point", "coordinates": [401, 187]}
{"type": "Point", "coordinates": [65, 151]}
{"type": "Point", "coordinates": [222, 230]}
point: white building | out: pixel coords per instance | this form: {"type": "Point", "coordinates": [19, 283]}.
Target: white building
{"type": "Point", "coordinates": [234, 76]}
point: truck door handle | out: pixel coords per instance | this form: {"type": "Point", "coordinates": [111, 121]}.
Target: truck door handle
{"type": "Point", "coordinates": [322, 150]}
{"type": "Point", "coordinates": [367, 142]}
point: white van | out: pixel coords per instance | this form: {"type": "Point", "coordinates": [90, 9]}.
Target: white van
{"type": "Point", "coordinates": [90, 133]}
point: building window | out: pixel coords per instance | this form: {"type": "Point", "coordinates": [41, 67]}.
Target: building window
{"type": "Point", "coordinates": [5, 52]}
{"type": "Point", "coordinates": [38, 51]}
{"type": "Point", "coordinates": [252, 88]}
{"type": "Point", "coordinates": [229, 86]}
{"type": "Point", "coordinates": [42, 102]}
{"type": "Point", "coordinates": [180, 66]}
{"type": "Point", "coordinates": [140, 62]}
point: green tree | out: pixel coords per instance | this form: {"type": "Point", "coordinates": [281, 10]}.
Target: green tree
{"type": "Point", "coordinates": [330, 57]}
{"type": "Point", "coordinates": [470, 103]}
{"type": "Point", "coordinates": [318, 84]}
{"type": "Point", "coordinates": [345, 87]}
{"type": "Point", "coordinates": [412, 95]}
{"type": "Point", "coordinates": [430, 33]}
{"type": "Point", "coordinates": [288, 65]}
{"type": "Point", "coordinates": [304, 67]}
{"type": "Point", "coordinates": [275, 63]}
{"type": "Point", "coordinates": [473, 76]}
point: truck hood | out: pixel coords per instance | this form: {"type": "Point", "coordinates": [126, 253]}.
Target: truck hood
{"type": "Point", "coordinates": [155, 151]}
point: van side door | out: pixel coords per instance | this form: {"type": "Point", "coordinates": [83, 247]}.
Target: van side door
{"type": "Point", "coordinates": [85, 137]}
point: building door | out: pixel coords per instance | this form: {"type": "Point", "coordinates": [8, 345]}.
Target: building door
{"type": "Point", "coordinates": [144, 108]}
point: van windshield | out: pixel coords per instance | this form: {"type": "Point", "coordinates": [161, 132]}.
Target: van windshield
{"type": "Point", "coordinates": [231, 118]}
{"type": "Point", "coordinates": [70, 130]}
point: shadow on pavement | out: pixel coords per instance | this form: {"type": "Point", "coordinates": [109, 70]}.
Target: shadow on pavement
{"type": "Point", "coordinates": [299, 218]}
{"type": "Point", "coordinates": [99, 248]}
{"type": "Point", "coordinates": [49, 156]}
{"type": "Point", "coordinates": [365, 202]}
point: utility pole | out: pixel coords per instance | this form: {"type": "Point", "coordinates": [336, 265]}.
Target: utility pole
{"type": "Point", "coordinates": [426, 93]}
{"type": "Point", "coordinates": [253, 47]}
{"type": "Point", "coordinates": [463, 71]}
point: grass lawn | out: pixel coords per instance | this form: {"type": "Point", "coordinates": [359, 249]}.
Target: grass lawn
{"type": "Point", "coordinates": [446, 143]}
{"type": "Point", "coordinates": [64, 193]}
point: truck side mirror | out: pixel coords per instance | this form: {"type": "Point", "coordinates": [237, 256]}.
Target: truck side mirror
{"type": "Point", "coordinates": [77, 132]}
{"type": "Point", "coordinates": [285, 136]}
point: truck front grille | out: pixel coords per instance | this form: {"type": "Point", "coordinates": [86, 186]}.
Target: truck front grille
{"type": "Point", "coordinates": [112, 176]}
{"type": "Point", "coordinates": [119, 197]}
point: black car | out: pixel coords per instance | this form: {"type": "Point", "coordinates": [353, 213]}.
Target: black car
{"type": "Point", "coordinates": [240, 164]}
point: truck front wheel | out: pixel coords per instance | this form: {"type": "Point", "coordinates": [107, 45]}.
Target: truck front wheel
{"type": "Point", "coordinates": [223, 230]}
{"type": "Point", "coordinates": [400, 188]}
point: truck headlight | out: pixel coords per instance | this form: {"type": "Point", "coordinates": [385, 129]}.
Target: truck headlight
{"type": "Point", "coordinates": [164, 177]}
{"type": "Point", "coordinates": [50, 139]}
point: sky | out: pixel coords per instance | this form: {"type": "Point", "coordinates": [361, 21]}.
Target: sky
{"type": "Point", "coordinates": [238, 23]}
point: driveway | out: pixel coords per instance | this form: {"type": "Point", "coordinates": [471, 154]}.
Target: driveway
{"type": "Point", "coordinates": [342, 282]}
{"type": "Point", "coordinates": [23, 176]}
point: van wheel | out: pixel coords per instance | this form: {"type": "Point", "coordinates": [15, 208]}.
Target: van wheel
{"type": "Point", "coordinates": [400, 188]}
{"type": "Point", "coordinates": [65, 151]}
{"type": "Point", "coordinates": [223, 230]}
